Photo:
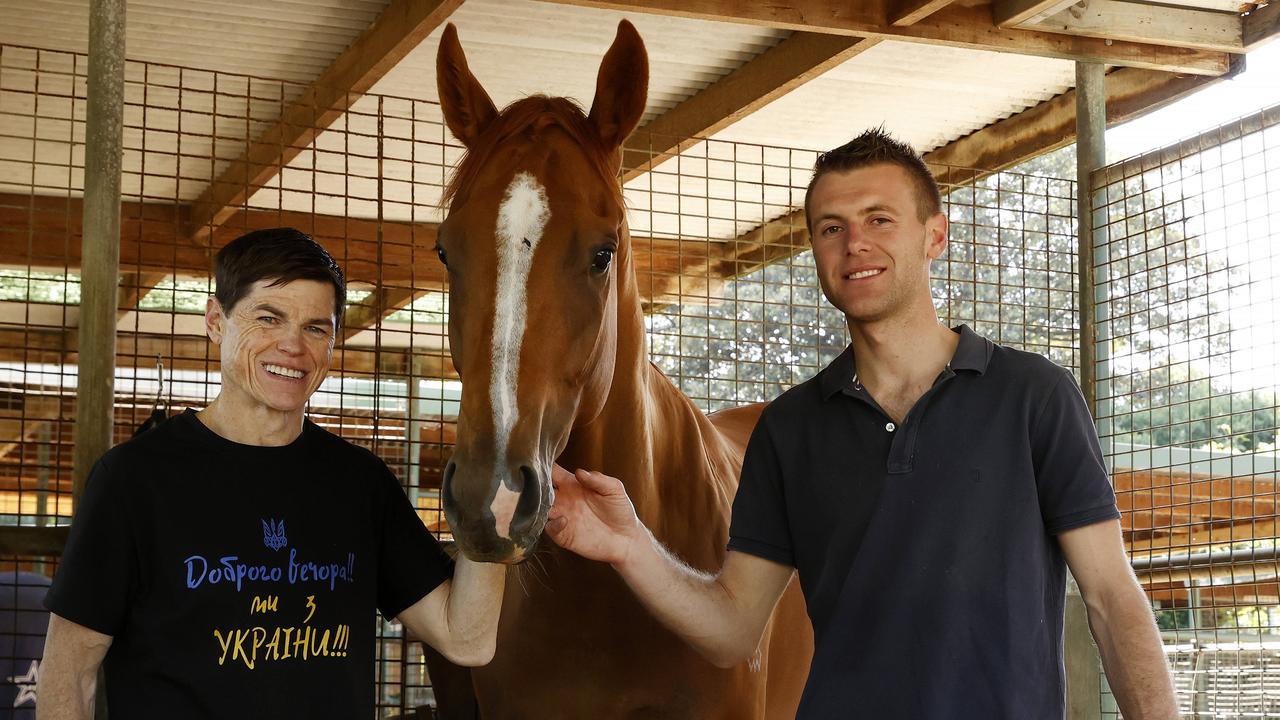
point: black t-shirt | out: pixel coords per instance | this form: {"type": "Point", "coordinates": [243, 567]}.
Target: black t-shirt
{"type": "Point", "coordinates": [241, 581]}
{"type": "Point", "coordinates": [925, 550]}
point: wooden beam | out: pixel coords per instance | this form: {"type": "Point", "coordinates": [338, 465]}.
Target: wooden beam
{"type": "Point", "coordinates": [1131, 92]}
{"type": "Point", "coordinates": [134, 286]}
{"type": "Point", "coordinates": [1195, 486]}
{"type": "Point", "coordinates": [910, 12]}
{"type": "Point", "coordinates": [955, 26]}
{"type": "Point", "coordinates": [401, 27]}
{"type": "Point", "coordinates": [40, 233]}
{"type": "Point", "coordinates": [380, 303]}
{"type": "Point", "coordinates": [33, 541]}
{"type": "Point", "coordinates": [1139, 22]}
{"type": "Point", "coordinates": [20, 425]}
{"type": "Point", "coordinates": [1187, 539]}
{"type": "Point", "coordinates": [1012, 13]}
{"type": "Point", "coordinates": [777, 71]}
{"type": "Point", "coordinates": [191, 352]}
{"type": "Point", "coordinates": [1261, 25]}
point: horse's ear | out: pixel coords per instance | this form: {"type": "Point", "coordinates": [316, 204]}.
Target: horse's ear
{"type": "Point", "coordinates": [622, 87]}
{"type": "Point", "coordinates": [466, 106]}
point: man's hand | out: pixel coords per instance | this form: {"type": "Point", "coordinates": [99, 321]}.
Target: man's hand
{"type": "Point", "coordinates": [721, 615]}
{"type": "Point", "coordinates": [593, 517]}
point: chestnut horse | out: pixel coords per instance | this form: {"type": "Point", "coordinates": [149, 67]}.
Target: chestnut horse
{"type": "Point", "coordinates": [547, 333]}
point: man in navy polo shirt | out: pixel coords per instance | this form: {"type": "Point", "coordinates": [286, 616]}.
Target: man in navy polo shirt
{"type": "Point", "coordinates": [929, 486]}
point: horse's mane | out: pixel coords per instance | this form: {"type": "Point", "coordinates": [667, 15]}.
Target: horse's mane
{"type": "Point", "coordinates": [533, 114]}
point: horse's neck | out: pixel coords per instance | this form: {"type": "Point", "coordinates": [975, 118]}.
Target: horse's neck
{"type": "Point", "coordinates": [663, 448]}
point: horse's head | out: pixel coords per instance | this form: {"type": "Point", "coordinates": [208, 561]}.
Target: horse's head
{"type": "Point", "coordinates": [536, 244]}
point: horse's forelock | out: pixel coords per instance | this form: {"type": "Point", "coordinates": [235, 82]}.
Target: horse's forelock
{"type": "Point", "coordinates": [533, 115]}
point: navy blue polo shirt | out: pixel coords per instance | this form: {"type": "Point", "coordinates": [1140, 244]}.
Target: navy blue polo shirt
{"type": "Point", "coordinates": [926, 549]}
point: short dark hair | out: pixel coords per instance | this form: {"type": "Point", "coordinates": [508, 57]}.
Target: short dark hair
{"type": "Point", "coordinates": [281, 255]}
{"type": "Point", "coordinates": [875, 147]}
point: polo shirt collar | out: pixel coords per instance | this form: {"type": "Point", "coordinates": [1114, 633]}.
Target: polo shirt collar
{"type": "Point", "coordinates": [973, 353]}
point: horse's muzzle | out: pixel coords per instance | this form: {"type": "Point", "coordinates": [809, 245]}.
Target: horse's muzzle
{"type": "Point", "coordinates": [495, 519]}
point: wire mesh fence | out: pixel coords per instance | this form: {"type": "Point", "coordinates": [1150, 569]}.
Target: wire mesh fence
{"type": "Point", "coordinates": [1188, 340]}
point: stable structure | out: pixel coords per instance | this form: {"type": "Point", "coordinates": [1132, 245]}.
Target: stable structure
{"type": "Point", "coordinates": [323, 116]}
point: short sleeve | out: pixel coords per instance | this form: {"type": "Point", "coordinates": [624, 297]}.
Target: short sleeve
{"type": "Point", "coordinates": [759, 525]}
{"type": "Point", "coordinates": [1071, 478]}
{"type": "Point", "coordinates": [411, 562]}
{"type": "Point", "coordinates": [97, 575]}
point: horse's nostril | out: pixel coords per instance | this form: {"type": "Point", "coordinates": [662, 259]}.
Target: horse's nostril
{"type": "Point", "coordinates": [530, 500]}
{"type": "Point", "coordinates": [446, 485]}
{"type": "Point", "coordinates": [528, 477]}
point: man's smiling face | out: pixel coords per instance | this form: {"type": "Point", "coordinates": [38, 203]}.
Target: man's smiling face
{"type": "Point", "coordinates": [276, 344]}
{"type": "Point", "coordinates": [871, 248]}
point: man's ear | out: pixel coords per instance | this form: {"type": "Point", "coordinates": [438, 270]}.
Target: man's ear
{"type": "Point", "coordinates": [936, 235]}
{"type": "Point", "coordinates": [214, 319]}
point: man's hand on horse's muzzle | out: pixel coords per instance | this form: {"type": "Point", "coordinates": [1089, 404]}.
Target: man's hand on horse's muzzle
{"type": "Point", "coordinates": [593, 517]}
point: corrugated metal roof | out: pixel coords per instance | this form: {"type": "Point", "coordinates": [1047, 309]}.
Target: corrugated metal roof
{"type": "Point", "coordinates": [286, 39]}
{"type": "Point", "coordinates": [557, 51]}
{"type": "Point", "coordinates": [926, 95]}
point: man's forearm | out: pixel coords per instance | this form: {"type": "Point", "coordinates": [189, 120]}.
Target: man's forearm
{"type": "Point", "coordinates": [692, 604]}
{"type": "Point", "coordinates": [68, 682]}
{"type": "Point", "coordinates": [65, 694]}
{"type": "Point", "coordinates": [1133, 656]}
{"type": "Point", "coordinates": [475, 600]}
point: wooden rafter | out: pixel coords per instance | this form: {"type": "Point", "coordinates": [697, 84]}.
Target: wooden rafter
{"type": "Point", "coordinates": [44, 232]}
{"type": "Point", "coordinates": [1131, 92]}
{"type": "Point", "coordinates": [397, 257]}
{"type": "Point", "coordinates": [1139, 22]}
{"type": "Point", "coordinates": [397, 31]}
{"type": "Point", "coordinates": [909, 12]}
{"type": "Point", "coordinates": [23, 423]}
{"type": "Point", "coordinates": [1262, 25]}
{"type": "Point", "coordinates": [192, 352]}
{"type": "Point", "coordinates": [955, 26]}
{"type": "Point", "coordinates": [401, 27]}
{"type": "Point", "coordinates": [381, 303]}
{"type": "Point", "coordinates": [1012, 13]}
{"type": "Point", "coordinates": [777, 71]}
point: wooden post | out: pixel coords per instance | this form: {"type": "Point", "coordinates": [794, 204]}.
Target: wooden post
{"type": "Point", "coordinates": [1084, 668]}
{"type": "Point", "coordinates": [100, 265]}
{"type": "Point", "coordinates": [100, 253]}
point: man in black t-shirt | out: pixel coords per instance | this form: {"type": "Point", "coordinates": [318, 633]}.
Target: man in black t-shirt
{"type": "Point", "coordinates": [228, 562]}
{"type": "Point", "coordinates": [929, 486]}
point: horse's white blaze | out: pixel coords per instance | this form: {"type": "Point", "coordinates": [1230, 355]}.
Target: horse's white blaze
{"type": "Point", "coordinates": [504, 509]}
{"type": "Point", "coordinates": [522, 216]}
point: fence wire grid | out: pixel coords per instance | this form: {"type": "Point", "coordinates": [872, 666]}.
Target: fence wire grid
{"type": "Point", "coordinates": [1188, 338]}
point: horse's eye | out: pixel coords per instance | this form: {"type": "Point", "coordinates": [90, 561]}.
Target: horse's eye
{"type": "Point", "coordinates": [600, 263]}
{"type": "Point", "coordinates": [443, 257]}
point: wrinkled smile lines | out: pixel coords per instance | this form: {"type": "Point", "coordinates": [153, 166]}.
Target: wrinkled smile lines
{"type": "Point", "coordinates": [282, 371]}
